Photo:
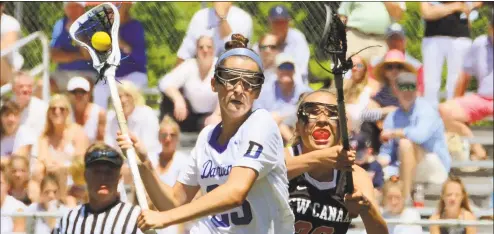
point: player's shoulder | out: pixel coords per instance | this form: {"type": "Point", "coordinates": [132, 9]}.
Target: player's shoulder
{"type": "Point", "coordinates": [260, 119]}
{"type": "Point", "coordinates": [205, 133]}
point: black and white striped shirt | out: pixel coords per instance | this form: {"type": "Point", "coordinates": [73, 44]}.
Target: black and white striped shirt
{"type": "Point", "coordinates": [118, 218]}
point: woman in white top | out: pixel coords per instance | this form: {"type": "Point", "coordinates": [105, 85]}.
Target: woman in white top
{"type": "Point", "coordinates": [62, 145]}
{"type": "Point", "coordinates": [393, 203]}
{"type": "Point", "coordinates": [89, 115]}
{"type": "Point", "coordinates": [357, 91]}
{"type": "Point", "coordinates": [48, 202]}
{"type": "Point", "coordinates": [169, 162]}
{"type": "Point", "coordinates": [187, 89]}
{"type": "Point", "coordinates": [15, 139]}
{"type": "Point", "coordinates": [9, 204]}
{"type": "Point", "coordinates": [141, 120]}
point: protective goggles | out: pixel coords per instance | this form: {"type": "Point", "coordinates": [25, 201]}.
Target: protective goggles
{"type": "Point", "coordinates": [230, 78]}
{"type": "Point", "coordinates": [313, 110]}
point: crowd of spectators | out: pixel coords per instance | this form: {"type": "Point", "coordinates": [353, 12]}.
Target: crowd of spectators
{"type": "Point", "coordinates": [395, 117]}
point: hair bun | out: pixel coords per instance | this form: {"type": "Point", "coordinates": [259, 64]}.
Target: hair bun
{"type": "Point", "coordinates": [237, 41]}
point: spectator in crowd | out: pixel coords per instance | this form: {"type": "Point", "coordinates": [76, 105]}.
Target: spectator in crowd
{"type": "Point", "coordinates": [454, 204]}
{"type": "Point", "coordinates": [396, 40]}
{"type": "Point", "coordinates": [10, 31]}
{"type": "Point", "coordinates": [446, 27]}
{"type": "Point", "coordinates": [413, 134]}
{"type": "Point", "coordinates": [197, 101]}
{"type": "Point", "coordinates": [133, 51]}
{"type": "Point", "coordinates": [62, 145]}
{"type": "Point", "coordinates": [71, 59]}
{"type": "Point", "coordinates": [15, 139]}
{"type": "Point", "coordinates": [49, 201]}
{"type": "Point", "coordinates": [290, 40]}
{"type": "Point", "coordinates": [222, 20]}
{"type": "Point", "coordinates": [393, 201]}
{"type": "Point", "coordinates": [22, 187]}
{"type": "Point", "coordinates": [367, 23]}
{"type": "Point", "coordinates": [384, 101]}
{"type": "Point", "coordinates": [89, 115]}
{"type": "Point", "coordinates": [470, 108]}
{"type": "Point", "coordinates": [170, 162]}
{"type": "Point", "coordinates": [141, 119]}
{"type": "Point", "coordinates": [357, 92]}
{"type": "Point", "coordinates": [9, 204]}
{"type": "Point", "coordinates": [367, 161]}
{"type": "Point", "coordinates": [269, 47]}
{"type": "Point", "coordinates": [281, 97]}
{"type": "Point", "coordinates": [32, 107]}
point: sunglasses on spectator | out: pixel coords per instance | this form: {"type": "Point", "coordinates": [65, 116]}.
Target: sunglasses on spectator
{"type": "Point", "coordinates": [166, 135]}
{"type": "Point", "coordinates": [265, 47]}
{"type": "Point", "coordinates": [230, 78]}
{"type": "Point", "coordinates": [286, 67]}
{"type": "Point", "coordinates": [394, 66]}
{"type": "Point", "coordinates": [359, 66]}
{"type": "Point", "coordinates": [62, 109]}
{"type": "Point", "coordinates": [407, 87]}
{"type": "Point", "coordinates": [78, 91]}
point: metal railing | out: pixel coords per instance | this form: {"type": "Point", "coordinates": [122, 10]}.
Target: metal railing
{"type": "Point", "coordinates": [42, 68]}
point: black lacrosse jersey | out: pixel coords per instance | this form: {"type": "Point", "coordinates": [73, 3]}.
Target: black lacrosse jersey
{"type": "Point", "coordinates": [315, 210]}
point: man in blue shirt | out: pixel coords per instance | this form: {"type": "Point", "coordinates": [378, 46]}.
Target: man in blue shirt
{"type": "Point", "coordinates": [413, 137]}
{"type": "Point", "coordinates": [72, 60]}
{"type": "Point", "coordinates": [280, 97]}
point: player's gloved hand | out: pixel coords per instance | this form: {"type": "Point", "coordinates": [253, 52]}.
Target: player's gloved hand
{"type": "Point", "coordinates": [338, 158]}
{"type": "Point", "coordinates": [150, 219]}
{"type": "Point", "coordinates": [124, 144]}
{"type": "Point", "coordinates": [356, 203]}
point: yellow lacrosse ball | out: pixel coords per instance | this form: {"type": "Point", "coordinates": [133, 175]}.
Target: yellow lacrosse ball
{"type": "Point", "coordinates": [101, 41]}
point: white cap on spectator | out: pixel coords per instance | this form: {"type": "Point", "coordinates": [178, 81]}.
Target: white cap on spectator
{"type": "Point", "coordinates": [83, 4]}
{"type": "Point", "coordinates": [284, 58]}
{"type": "Point", "coordinates": [78, 83]}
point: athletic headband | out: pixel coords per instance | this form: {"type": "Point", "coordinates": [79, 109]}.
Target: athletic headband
{"type": "Point", "coordinates": [241, 52]}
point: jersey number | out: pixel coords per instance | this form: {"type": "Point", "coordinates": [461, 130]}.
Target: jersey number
{"type": "Point", "coordinates": [224, 220]}
{"type": "Point", "coordinates": [304, 227]}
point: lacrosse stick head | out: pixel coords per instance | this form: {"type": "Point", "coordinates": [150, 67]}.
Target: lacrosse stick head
{"type": "Point", "coordinates": [332, 44]}
{"type": "Point", "coordinates": [101, 18]}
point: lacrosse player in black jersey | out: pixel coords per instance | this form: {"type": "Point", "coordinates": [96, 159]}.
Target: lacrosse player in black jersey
{"type": "Point", "coordinates": [315, 162]}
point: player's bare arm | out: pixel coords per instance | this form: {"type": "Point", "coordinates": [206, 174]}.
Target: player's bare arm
{"type": "Point", "coordinates": [333, 157]}
{"type": "Point", "coordinates": [225, 197]}
{"type": "Point", "coordinates": [363, 202]}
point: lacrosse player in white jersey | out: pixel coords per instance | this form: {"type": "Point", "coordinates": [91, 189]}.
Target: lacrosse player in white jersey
{"type": "Point", "coordinates": [238, 164]}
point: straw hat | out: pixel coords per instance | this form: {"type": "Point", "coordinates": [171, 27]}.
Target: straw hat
{"type": "Point", "coordinates": [392, 56]}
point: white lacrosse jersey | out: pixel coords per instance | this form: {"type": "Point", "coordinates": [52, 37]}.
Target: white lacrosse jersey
{"type": "Point", "coordinates": [258, 145]}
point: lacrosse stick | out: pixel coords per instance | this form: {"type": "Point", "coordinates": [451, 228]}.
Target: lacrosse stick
{"type": "Point", "coordinates": [333, 46]}
{"type": "Point", "coordinates": [105, 18]}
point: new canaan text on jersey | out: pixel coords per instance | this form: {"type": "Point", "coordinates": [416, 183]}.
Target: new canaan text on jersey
{"type": "Point", "coordinates": [324, 212]}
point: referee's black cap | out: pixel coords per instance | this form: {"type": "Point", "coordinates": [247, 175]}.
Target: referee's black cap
{"type": "Point", "coordinates": [100, 152]}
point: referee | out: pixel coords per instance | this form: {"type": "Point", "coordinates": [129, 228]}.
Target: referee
{"type": "Point", "coordinates": [104, 213]}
